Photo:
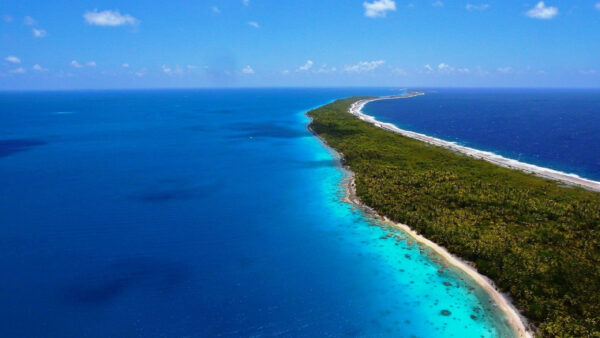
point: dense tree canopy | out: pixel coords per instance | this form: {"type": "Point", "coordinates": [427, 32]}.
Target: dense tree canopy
{"type": "Point", "coordinates": [535, 238]}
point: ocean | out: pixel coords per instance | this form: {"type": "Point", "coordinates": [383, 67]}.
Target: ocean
{"type": "Point", "coordinates": [552, 128]}
{"type": "Point", "coordinates": [207, 213]}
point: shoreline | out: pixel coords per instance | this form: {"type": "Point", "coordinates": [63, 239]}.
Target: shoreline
{"type": "Point", "coordinates": [547, 173]}
{"type": "Point", "coordinates": [516, 321]}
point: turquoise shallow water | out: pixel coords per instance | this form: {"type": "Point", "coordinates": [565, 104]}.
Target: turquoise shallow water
{"type": "Point", "coordinates": [203, 213]}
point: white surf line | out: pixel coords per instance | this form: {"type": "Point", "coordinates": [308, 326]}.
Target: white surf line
{"type": "Point", "coordinates": [516, 320]}
{"type": "Point", "coordinates": [570, 179]}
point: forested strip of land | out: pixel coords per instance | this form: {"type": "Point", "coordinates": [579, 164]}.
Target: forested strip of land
{"type": "Point", "coordinates": [535, 238]}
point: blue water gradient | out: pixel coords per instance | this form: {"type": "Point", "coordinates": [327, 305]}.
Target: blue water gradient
{"type": "Point", "coordinates": [203, 213]}
{"type": "Point", "coordinates": [554, 128]}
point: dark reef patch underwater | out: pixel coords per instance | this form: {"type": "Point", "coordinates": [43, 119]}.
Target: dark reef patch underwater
{"type": "Point", "coordinates": [9, 147]}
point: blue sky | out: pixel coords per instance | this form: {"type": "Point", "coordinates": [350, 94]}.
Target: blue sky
{"type": "Point", "coordinates": [262, 43]}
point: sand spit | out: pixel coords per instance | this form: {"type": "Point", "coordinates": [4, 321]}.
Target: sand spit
{"type": "Point", "coordinates": [568, 179]}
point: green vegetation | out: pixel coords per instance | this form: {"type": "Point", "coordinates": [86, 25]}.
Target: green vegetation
{"type": "Point", "coordinates": [534, 238]}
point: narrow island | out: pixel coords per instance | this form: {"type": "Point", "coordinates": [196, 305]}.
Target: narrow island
{"type": "Point", "coordinates": [534, 232]}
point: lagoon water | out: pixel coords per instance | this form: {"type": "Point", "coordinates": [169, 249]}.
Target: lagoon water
{"type": "Point", "coordinates": [203, 213]}
{"type": "Point", "coordinates": [554, 128]}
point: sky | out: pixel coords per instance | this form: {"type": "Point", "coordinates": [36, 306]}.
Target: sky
{"type": "Point", "coordinates": [104, 44]}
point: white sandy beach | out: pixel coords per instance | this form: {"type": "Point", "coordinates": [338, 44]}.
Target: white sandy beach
{"type": "Point", "coordinates": [569, 179]}
{"type": "Point", "coordinates": [515, 319]}
{"type": "Point", "coordinates": [502, 301]}
{"type": "Point", "coordinates": [518, 322]}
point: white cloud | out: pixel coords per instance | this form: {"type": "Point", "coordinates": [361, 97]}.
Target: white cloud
{"type": "Point", "coordinates": [588, 72]}
{"type": "Point", "coordinates": [254, 24]}
{"type": "Point", "coordinates": [215, 9]}
{"type": "Point", "coordinates": [246, 2]}
{"type": "Point", "coordinates": [443, 66]}
{"type": "Point", "coordinates": [191, 67]}
{"type": "Point", "coordinates": [325, 70]}
{"type": "Point", "coordinates": [598, 6]}
{"type": "Point", "coordinates": [29, 21]}
{"type": "Point", "coordinates": [171, 70]}
{"type": "Point", "coordinates": [38, 68]}
{"type": "Point", "coordinates": [378, 8]}
{"type": "Point", "coordinates": [364, 66]}
{"type": "Point", "coordinates": [438, 4]}
{"type": "Point", "coordinates": [505, 70]}
{"type": "Point", "coordinates": [19, 70]}
{"type": "Point", "coordinates": [176, 70]}
{"type": "Point", "coordinates": [76, 64]}
{"type": "Point", "coordinates": [141, 72]}
{"type": "Point", "coordinates": [541, 11]}
{"type": "Point", "coordinates": [39, 33]}
{"type": "Point", "coordinates": [480, 7]}
{"type": "Point", "coordinates": [12, 59]}
{"type": "Point", "coordinates": [7, 18]}
{"type": "Point", "coordinates": [109, 18]}
{"type": "Point", "coordinates": [125, 65]}
{"type": "Point", "coordinates": [308, 65]}
{"type": "Point", "coordinates": [248, 70]}
{"type": "Point", "coordinates": [285, 72]}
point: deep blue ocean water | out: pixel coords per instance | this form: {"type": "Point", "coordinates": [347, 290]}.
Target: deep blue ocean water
{"type": "Point", "coordinates": [554, 128]}
{"type": "Point", "coordinates": [202, 213]}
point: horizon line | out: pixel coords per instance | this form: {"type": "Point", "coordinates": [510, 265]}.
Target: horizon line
{"type": "Point", "coordinates": [289, 87]}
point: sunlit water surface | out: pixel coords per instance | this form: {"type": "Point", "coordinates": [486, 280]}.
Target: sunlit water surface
{"type": "Point", "coordinates": [202, 213]}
